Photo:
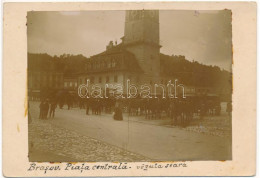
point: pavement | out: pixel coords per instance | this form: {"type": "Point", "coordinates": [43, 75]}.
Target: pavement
{"type": "Point", "coordinates": [42, 156]}
{"type": "Point", "coordinates": [151, 140]}
{"type": "Point", "coordinates": [49, 143]}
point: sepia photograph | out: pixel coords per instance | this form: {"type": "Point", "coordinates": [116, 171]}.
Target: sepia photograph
{"type": "Point", "coordinates": [129, 85]}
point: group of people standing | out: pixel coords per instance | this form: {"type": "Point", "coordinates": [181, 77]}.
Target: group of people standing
{"type": "Point", "coordinates": [95, 105]}
{"type": "Point", "coordinates": [98, 105]}
{"type": "Point", "coordinates": [180, 111]}
{"type": "Point", "coordinates": [47, 107]}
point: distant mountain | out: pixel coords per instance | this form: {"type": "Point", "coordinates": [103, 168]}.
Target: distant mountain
{"type": "Point", "coordinates": [194, 73]}
{"type": "Point", "coordinates": [64, 63]}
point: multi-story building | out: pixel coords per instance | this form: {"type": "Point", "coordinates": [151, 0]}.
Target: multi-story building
{"type": "Point", "coordinates": [70, 83]}
{"type": "Point", "coordinates": [136, 58]}
{"type": "Point", "coordinates": [43, 76]}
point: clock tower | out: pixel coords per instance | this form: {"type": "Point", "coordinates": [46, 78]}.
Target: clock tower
{"type": "Point", "coordinates": [142, 39]}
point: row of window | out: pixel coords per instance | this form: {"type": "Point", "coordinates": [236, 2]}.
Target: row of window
{"type": "Point", "coordinates": [45, 84]}
{"type": "Point", "coordinates": [70, 84]}
{"type": "Point", "coordinates": [108, 79]}
{"type": "Point", "coordinates": [99, 79]}
{"type": "Point", "coordinates": [46, 79]}
{"type": "Point", "coordinates": [102, 64]}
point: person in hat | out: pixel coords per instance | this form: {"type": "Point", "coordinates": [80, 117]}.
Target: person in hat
{"type": "Point", "coordinates": [45, 109]}
{"type": "Point", "coordinates": [52, 109]}
{"type": "Point", "coordinates": [118, 115]}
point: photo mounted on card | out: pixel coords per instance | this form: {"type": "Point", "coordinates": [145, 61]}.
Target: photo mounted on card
{"type": "Point", "coordinates": [129, 89]}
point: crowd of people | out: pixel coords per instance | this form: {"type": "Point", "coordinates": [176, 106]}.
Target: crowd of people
{"type": "Point", "coordinates": [47, 109]}
{"type": "Point", "coordinates": [180, 111]}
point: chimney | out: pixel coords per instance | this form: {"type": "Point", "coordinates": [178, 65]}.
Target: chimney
{"type": "Point", "coordinates": [110, 45]}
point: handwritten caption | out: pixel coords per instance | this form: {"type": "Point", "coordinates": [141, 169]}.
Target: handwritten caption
{"type": "Point", "coordinates": [81, 167]}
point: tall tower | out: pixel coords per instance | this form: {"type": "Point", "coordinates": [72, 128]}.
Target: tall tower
{"type": "Point", "coordinates": [142, 39]}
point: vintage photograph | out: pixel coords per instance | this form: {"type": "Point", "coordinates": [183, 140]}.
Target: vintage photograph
{"type": "Point", "coordinates": [129, 85]}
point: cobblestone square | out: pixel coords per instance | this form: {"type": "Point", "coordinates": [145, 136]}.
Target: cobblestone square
{"type": "Point", "coordinates": [73, 136]}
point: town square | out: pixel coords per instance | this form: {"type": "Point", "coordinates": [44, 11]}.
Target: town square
{"type": "Point", "coordinates": [130, 100]}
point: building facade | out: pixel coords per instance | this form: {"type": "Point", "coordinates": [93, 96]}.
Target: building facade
{"type": "Point", "coordinates": [136, 58]}
{"type": "Point", "coordinates": [70, 83]}
{"type": "Point", "coordinates": [44, 76]}
{"type": "Point", "coordinates": [42, 81]}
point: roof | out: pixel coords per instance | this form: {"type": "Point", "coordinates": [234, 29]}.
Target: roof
{"type": "Point", "coordinates": [113, 50]}
{"type": "Point", "coordinates": [115, 58]}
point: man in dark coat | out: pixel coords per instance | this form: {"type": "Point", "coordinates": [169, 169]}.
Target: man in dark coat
{"type": "Point", "coordinates": [175, 112]}
{"type": "Point", "coordinates": [87, 103]}
{"type": "Point", "coordinates": [52, 109]}
{"type": "Point", "coordinates": [118, 113]}
{"type": "Point", "coordinates": [41, 110]}
{"type": "Point", "coordinates": [45, 109]}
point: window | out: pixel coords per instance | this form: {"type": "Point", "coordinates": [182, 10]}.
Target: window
{"type": "Point", "coordinates": [70, 84]}
{"type": "Point", "coordinates": [89, 66]}
{"type": "Point", "coordinates": [115, 78]}
{"type": "Point", "coordinates": [102, 64]}
{"type": "Point", "coordinates": [113, 63]}
{"type": "Point", "coordinates": [98, 65]}
{"type": "Point", "coordinates": [107, 79]}
{"type": "Point", "coordinates": [109, 64]}
{"type": "Point", "coordinates": [65, 84]}
{"type": "Point", "coordinates": [117, 63]}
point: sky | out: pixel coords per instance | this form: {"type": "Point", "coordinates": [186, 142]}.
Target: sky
{"type": "Point", "coordinates": [203, 36]}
